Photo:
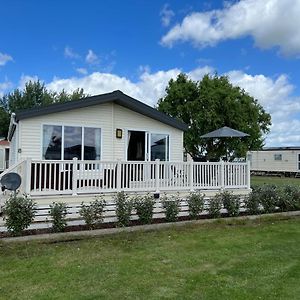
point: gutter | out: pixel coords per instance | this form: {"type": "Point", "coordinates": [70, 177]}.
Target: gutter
{"type": "Point", "coordinates": [12, 126]}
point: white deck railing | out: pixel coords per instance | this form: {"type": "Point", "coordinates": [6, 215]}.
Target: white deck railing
{"type": "Point", "coordinates": [46, 177]}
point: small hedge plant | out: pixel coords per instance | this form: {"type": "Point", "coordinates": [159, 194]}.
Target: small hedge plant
{"type": "Point", "coordinates": [252, 202]}
{"type": "Point", "coordinates": [289, 198]}
{"type": "Point", "coordinates": [18, 213]}
{"type": "Point", "coordinates": [269, 197]}
{"type": "Point", "coordinates": [231, 203]}
{"type": "Point", "coordinates": [195, 202]}
{"type": "Point", "coordinates": [171, 207]}
{"type": "Point", "coordinates": [215, 206]}
{"type": "Point", "coordinates": [93, 213]}
{"type": "Point", "coordinates": [144, 206]}
{"type": "Point", "coordinates": [58, 212]}
{"type": "Point", "coordinates": [123, 208]}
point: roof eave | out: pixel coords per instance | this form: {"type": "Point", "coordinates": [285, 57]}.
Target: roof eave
{"type": "Point", "coordinates": [117, 97]}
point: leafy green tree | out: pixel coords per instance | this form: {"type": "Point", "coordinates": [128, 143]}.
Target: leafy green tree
{"type": "Point", "coordinates": [210, 104]}
{"type": "Point", "coordinates": [35, 94]}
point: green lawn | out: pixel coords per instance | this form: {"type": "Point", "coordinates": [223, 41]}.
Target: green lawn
{"type": "Point", "coordinates": [259, 180]}
{"type": "Point", "coordinates": [242, 260]}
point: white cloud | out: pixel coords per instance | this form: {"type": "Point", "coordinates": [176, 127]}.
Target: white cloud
{"type": "Point", "coordinates": [4, 59]}
{"type": "Point", "coordinates": [271, 23]}
{"type": "Point", "coordinates": [70, 53]}
{"type": "Point", "coordinates": [91, 57]}
{"type": "Point", "coordinates": [5, 86]}
{"type": "Point", "coordinates": [166, 15]}
{"type": "Point", "coordinates": [276, 96]}
{"type": "Point", "coordinates": [26, 78]}
{"type": "Point", "coordinates": [149, 88]}
{"type": "Point", "coordinates": [82, 71]}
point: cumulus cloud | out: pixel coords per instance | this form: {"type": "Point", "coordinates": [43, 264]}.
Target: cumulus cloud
{"type": "Point", "coordinates": [91, 57]}
{"type": "Point", "coordinates": [149, 88]}
{"type": "Point", "coordinates": [271, 23]}
{"type": "Point", "coordinates": [276, 96]}
{"type": "Point", "coordinates": [166, 15]}
{"type": "Point", "coordinates": [4, 59]}
{"type": "Point", "coordinates": [70, 53]}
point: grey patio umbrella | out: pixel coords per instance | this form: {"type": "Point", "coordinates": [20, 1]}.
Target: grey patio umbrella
{"type": "Point", "coordinates": [225, 132]}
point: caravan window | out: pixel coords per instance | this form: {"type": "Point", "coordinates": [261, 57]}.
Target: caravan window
{"type": "Point", "coordinates": [277, 156]}
{"type": "Point", "coordinates": [67, 142]}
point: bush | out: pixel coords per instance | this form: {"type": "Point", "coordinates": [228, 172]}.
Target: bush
{"type": "Point", "coordinates": [269, 197]}
{"type": "Point", "coordinates": [215, 206]}
{"type": "Point", "coordinates": [58, 212]}
{"type": "Point", "coordinates": [289, 198]}
{"type": "Point", "coordinates": [123, 209]}
{"type": "Point", "coordinates": [93, 213]}
{"type": "Point", "coordinates": [231, 203]}
{"type": "Point", "coordinates": [144, 208]}
{"type": "Point", "coordinates": [196, 204]}
{"type": "Point", "coordinates": [171, 207]}
{"type": "Point", "coordinates": [18, 212]}
{"type": "Point", "coordinates": [252, 202]}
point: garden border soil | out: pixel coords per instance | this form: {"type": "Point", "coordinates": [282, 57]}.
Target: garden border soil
{"type": "Point", "coordinates": [73, 235]}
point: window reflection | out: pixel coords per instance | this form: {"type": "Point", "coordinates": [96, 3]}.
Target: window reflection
{"type": "Point", "coordinates": [72, 142]}
{"type": "Point", "coordinates": [159, 147]}
{"type": "Point", "coordinates": [92, 143]}
{"type": "Point", "coordinates": [52, 142]}
{"type": "Point", "coordinates": [75, 140]}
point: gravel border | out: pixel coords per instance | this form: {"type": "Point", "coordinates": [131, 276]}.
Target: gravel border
{"type": "Point", "coordinates": [107, 231]}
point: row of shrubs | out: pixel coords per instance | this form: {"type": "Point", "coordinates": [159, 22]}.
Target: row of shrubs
{"type": "Point", "coordinates": [19, 212]}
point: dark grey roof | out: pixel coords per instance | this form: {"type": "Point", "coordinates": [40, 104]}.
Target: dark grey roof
{"type": "Point", "coordinates": [280, 148]}
{"type": "Point", "coordinates": [224, 132]}
{"type": "Point", "coordinates": [117, 97]}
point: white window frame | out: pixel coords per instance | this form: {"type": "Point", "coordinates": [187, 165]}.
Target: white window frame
{"type": "Point", "coordinates": [63, 125]}
{"type": "Point", "coordinates": [148, 141]}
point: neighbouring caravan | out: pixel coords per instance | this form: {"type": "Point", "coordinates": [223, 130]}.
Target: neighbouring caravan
{"type": "Point", "coordinates": [275, 160]}
{"type": "Point", "coordinates": [4, 155]}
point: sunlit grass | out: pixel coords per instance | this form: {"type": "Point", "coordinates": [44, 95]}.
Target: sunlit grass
{"type": "Point", "coordinates": [237, 260]}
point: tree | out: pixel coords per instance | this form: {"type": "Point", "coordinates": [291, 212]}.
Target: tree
{"type": "Point", "coordinates": [35, 94]}
{"type": "Point", "coordinates": [210, 104]}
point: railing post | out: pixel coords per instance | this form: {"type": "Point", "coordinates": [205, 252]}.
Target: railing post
{"type": "Point", "coordinates": [191, 176]}
{"type": "Point", "coordinates": [248, 175]}
{"type": "Point", "coordinates": [157, 161]}
{"type": "Point", "coordinates": [118, 170]}
{"type": "Point", "coordinates": [75, 176]}
{"type": "Point", "coordinates": [27, 176]}
{"type": "Point", "coordinates": [222, 175]}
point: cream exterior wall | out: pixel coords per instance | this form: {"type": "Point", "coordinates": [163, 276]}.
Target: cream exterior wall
{"type": "Point", "coordinates": [264, 161]}
{"type": "Point", "coordinates": [13, 150]}
{"type": "Point", "coordinates": [108, 117]}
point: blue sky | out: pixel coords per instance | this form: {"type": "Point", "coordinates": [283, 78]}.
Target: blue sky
{"type": "Point", "coordinates": [137, 46]}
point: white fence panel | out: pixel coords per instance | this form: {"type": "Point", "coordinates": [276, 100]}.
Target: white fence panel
{"type": "Point", "coordinates": [72, 177]}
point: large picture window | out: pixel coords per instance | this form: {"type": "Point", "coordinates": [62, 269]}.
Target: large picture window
{"type": "Point", "coordinates": [67, 142]}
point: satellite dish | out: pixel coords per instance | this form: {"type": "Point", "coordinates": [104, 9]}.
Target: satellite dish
{"type": "Point", "coordinates": [10, 181]}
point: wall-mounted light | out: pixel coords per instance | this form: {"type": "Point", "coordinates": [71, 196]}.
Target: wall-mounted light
{"type": "Point", "coordinates": [119, 133]}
